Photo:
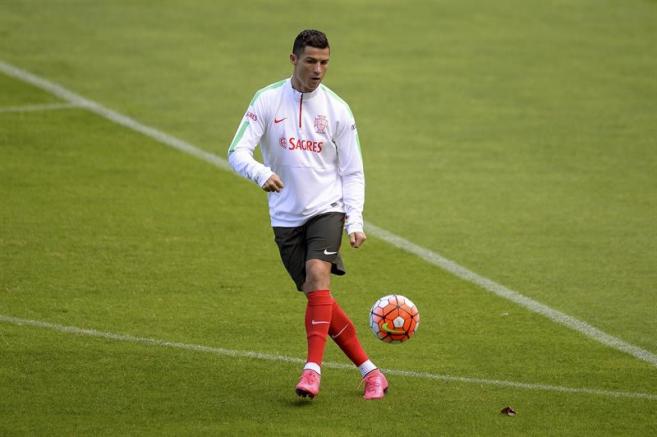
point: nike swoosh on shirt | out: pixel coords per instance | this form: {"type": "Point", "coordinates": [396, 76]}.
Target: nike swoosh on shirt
{"type": "Point", "coordinates": [329, 253]}
{"type": "Point", "coordinates": [318, 322]}
{"type": "Point", "coordinates": [278, 120]}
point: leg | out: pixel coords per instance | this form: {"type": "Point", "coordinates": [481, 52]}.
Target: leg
{"type": "Point", "coordinates": [324, 236]}
{"type": "Point", "coordinates": [341, 329]}
{"type": "Point", "coordinates": [318, 311]}
{"type": "Point", "coordinates": [318, 320]}
{"type": "Point", "coordinates": [292, 246]}
{"type": "Point", "coordinates": [343, 333]}
{"type": "Point", "coordinates": [318, 276]}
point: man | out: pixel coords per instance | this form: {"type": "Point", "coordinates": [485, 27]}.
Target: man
{"type": "Point", "coordinates": [313, 174]}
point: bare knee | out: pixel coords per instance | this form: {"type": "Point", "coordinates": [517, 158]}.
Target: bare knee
{"type": "Point", "coordinates": [318, 275]}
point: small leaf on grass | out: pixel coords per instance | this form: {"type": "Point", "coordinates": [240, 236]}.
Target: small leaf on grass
{"type": "Point", "coordinates": [509, 411]}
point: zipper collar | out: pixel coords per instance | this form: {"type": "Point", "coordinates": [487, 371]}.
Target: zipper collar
{"type": "Point", "coordinates": [306, 96]}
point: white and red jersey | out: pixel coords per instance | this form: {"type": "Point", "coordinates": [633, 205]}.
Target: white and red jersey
{"type": "Point", "coordinates": [310, 141]}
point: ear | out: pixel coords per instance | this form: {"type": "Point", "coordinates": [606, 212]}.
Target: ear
{"type": "Point", "coordinates": [293, 58]}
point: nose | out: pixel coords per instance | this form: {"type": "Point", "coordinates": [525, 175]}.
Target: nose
{"type": "Point", "coordinates": [318, 68]}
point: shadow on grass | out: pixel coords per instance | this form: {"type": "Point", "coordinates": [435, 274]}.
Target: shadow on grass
{"type": "Point", "coordinates": [297, 403]}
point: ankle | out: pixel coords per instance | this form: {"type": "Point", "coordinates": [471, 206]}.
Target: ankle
{"type": "Point", "coordinates": [314, 367]}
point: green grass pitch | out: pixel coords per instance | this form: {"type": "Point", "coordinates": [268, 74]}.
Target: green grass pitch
{"type": "Point", "coordinates": [518, 139]}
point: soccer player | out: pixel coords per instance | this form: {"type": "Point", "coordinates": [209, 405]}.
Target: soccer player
{"type": "Point", "coordinates": [313, 174]}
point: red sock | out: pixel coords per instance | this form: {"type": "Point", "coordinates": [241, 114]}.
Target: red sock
{"type": "Point", "coordinates": [318, 320]}
{"type": "Point", "coordinates": [343, 332]}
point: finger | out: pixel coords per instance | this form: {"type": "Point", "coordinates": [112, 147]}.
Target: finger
{"type": "Point", "coordinates": [360, 239]}
{"type": "Point", "coordinates": [271, 185]}
{"type": "Point", "coordinates": [352, 240]}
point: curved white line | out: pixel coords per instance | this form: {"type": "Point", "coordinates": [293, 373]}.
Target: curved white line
{"type": "Point", "coordinates": [283, 358]}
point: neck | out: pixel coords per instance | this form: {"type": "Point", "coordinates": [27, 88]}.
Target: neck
{"type": "Point", "coordinates": [297, 86]}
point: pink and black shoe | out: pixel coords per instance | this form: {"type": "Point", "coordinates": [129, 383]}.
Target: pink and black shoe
{"type": "Point", "coordinates": [308, 384]}
{"type": "Point", "coordinates": [376, 385]}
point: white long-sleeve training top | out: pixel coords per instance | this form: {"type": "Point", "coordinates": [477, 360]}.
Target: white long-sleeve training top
{"type": "Point", "coordinates": [310, 141]}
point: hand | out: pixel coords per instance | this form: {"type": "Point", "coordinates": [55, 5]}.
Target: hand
{"type": "Point", "coordinates": [274, 183]}
{"type": "Point", "coordinates": [356, 239]}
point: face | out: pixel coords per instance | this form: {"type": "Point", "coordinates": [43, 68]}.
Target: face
{"type": "Point", "coordinates": [309, 68]}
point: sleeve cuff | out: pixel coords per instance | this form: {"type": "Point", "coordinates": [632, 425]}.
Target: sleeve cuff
{"type": "Point", "coordinates": [353, 227]}
{"type": "Point", "coordinates": [263, 176]}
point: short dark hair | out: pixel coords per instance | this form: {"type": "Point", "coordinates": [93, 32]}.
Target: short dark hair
{"type": "Point", "coordinates": [309, 37]}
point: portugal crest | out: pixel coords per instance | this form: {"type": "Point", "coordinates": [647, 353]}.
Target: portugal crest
{"type": "Point", "coordinates": [321, 124]}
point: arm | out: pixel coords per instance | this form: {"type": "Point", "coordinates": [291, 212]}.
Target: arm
{"type": "Point", "coordinates": [353, 180]}
{"type": "Point", "coordinates": [240, 152]}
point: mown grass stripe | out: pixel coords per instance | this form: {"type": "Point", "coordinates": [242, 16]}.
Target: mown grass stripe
{"type": "Point", "coordinates": [120, 119]}
{"type": "Point", "coordinates": [385, 235]}
{"type": "Point", "coordinates": [38, 107]}
{"type": "Point", "coordinates": [511, 295]}
{"type": "Point", "coordinates": [286, 359]}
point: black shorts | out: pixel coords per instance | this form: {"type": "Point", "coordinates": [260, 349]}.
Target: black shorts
{"type": "Point", "coordinates": [318, 238]}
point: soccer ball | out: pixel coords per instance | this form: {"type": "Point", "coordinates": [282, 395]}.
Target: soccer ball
{"type": "Point", "coordinates": [394, 318]}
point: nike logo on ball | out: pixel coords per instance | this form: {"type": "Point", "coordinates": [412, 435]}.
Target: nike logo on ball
{"type": "Point", "coordinates": [278, 120]}
{"type": "Point", "coordinates": [392, 331]}
{"type": "Point", "coordinates": [329, 253]}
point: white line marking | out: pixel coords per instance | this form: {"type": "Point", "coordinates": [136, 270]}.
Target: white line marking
{"type": "Point", "coordinates": [114, 116]}
{"type": "Point", "coordinates": [506, 293]}
{"type": "Point", "coordinates": [283, 358]}
{"type": "Point", "coordinates": [395, 240]}
{"type": "Point", "coordinates": [37, 107]}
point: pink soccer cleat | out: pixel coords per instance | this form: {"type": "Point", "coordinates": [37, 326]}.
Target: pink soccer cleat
{"type": "Point", "coordinates": [308, 384]}
{"type": "Point", "coordinates": [376, 385]}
